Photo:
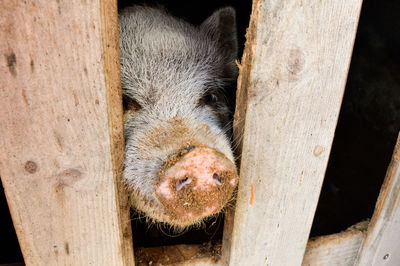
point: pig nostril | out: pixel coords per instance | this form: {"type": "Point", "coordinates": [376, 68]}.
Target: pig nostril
{"type": "Point", "coordinates": [218, 178]}
{"type": "Point", "coordinates": [181, 183]}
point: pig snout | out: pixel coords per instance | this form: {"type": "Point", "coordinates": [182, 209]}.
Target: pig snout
{"type": "Point", "coordinates": [196, 182]}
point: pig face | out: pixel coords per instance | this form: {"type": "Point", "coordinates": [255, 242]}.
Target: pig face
{"type": "Point", "coordinates": [179, 166]}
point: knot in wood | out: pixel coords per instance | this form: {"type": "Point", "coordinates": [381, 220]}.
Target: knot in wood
{"type": "Point", "coordinates": [30, 167]}
{"type": "Point", "coordinates": [296, 61]}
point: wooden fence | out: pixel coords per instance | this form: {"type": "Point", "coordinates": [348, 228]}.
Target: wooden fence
{"type": "Point", "coordinates": [61, 139]}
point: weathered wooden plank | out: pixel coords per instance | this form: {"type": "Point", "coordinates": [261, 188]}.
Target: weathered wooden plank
{"type": "Point", "coordinates": [206, 254]}
{"type": "Point", "coordinates": [337, 249]}
{"type": "Point", "coordinates": [381, 245]}
{"type": "Point", "coordinates": [290, 89]}
{"type": "Point", "coordinates": [61, 132]}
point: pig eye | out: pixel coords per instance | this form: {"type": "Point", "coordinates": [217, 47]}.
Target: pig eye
{"type": "Point", "coordinates": [130, 104]}
{"type": "Point", "coordinates": [208, 99]}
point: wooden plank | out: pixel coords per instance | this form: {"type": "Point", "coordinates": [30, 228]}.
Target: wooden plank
{"type": "Point", "coordinates": [337, 249]}
{"type": "Point", "coordinates": [61, 131]}
{"type": "Point", "coordinates": [205, 254]}
{"type": "Point", "coordinates": [290, 88]}
{"type": "Point", "coordinates": [112, 79]}
{"type": "Point", "coordinates": [381, 245]}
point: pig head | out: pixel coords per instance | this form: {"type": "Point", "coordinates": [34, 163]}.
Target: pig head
{"type": "Point", "coordinates": [179, 165]}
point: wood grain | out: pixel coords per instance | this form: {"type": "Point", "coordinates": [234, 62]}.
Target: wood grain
{"type": "Point", "coordinates": [290, 88]}
{"type": "Point", "coordinates": [61, 133]}
{"type": "Point", "coordinates": [381, 245]}
{"type": "Point", "coordinates": [205, 254]}
{"type": "Point", "coordinates": [337, 249]}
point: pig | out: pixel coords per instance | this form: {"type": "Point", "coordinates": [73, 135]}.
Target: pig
{"type": "Point", "coordinates": [179, 164]}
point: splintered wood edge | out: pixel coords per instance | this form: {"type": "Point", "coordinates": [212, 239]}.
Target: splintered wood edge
{"type": "Point", "coordinates": [244, 78]}
{"type": "Point", "coordinates": [209, 254]}
{"type": "Point", "coordinates": [243, 83]}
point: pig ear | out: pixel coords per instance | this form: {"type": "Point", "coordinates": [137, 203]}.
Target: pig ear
{"type": "Point", "coordinates": [221, 26]}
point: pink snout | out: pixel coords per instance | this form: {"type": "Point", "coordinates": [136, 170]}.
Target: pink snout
{"type": "Point", "coordinates": [195, 183]}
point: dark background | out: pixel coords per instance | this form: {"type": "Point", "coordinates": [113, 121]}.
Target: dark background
{"type": "Point", "coordinates": [364, 139]}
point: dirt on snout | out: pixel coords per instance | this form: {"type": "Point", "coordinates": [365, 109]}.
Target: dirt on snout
{"type": "Point", "coordinates": [197, 198]}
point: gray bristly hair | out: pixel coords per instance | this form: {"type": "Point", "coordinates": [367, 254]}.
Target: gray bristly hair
{"type": "Point", "coordinates": [172, 71]}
